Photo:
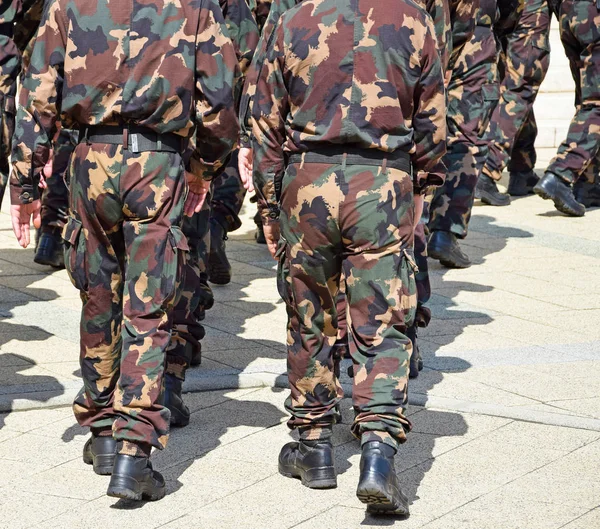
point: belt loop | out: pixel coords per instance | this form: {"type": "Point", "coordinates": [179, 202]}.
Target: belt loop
{"type": "Point", "coordinates": [86, 130]}
{"type": "Point", "coordinates": [125, 137]}
{"type": "Point", "coordinates": [384, 166]}
{"type": "Point", "coordinates": [302, 157]}
{"type": "Point", "coordinates": [159, 142]}
{"type": "Point", "coordinates": [344, 159]}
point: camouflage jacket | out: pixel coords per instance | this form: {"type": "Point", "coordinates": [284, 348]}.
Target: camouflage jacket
{"type": "Point", "coordinates": [364, 73]}
{"type": "Point", "coordinates": [10, 57]}
{"type": "Point", "coordinates": [462, 18]}
{"type": "Point", "coordinates": [167, 65]}
{"type": "Point", "coordinates": [278, 7]}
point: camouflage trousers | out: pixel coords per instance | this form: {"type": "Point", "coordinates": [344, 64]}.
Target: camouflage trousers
{"type": "Point", "coordinates": [580, 35]}
{"type": "Point", "coordinates": [472, 95]}
{"type": "Point", "coordinates": [228, 196]}
{"type": "Point", "coordinates": [196, 296]}
{"type": "Point", "coordinates": [124, 252]}
{"type": "Point", "coordinates": [523, 64]}
{"type": "Point", "coordinates": [363, 230]}
{"type": "Point", "coordinates": [7, 129]}
{"type": "Point", "coordinates": [55, 199]}
{"type": "Point", "coordinates": [523, 156]}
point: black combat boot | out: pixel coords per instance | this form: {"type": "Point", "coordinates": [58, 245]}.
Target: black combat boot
{"type": "Point", "coordinates": [416, 362]}
{"type": "Point", "coordinates": [522, 184]}
{"type": "Point", "coordinates": [587, 194]}
{"type": "Point", "coordinates": [50, 250]}
{"type": "Point", "coordinates": [180, 413]}
{"type": "Point", "coordinates": [487, 190]}
{"type": "Point", "coordinates": [378, 483]}
{"type": "Point", "coordinates": [260, 232]}
{"type": "Point", "coordinates": [196, 357]}
{"type": "Point", "coordinates": [219, 269]}
{"type": "Point", "coordinates": [444, 247]}
{"type": "Point", "coordinates": [554, 188]}
{"type": "Point", "coordinates": [133, 478]}
{"type": "Point", "coordinates": [311, 461]}
{"type": "Point", "coordinates": [100, 451]}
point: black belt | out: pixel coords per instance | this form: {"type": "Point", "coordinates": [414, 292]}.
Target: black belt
{"type": "Point", "coordinates": [7, 29]}
{"type": "Point", "coordinates": [133, 138]}
{"type": "Point", "coordinates": [355, 156]}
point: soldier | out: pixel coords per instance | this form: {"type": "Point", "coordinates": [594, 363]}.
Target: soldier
{"type": "Point", "coordinates": [185, 348]}
{"type": "Point", "coordinates": [228, 193]}
{"type": "Point", "coordinates": [358, 142]}
{"type": "Point", "coordinates": [523, 33]}
{"type": "Point", "coordinates": [454, 22]}
{"type": "Point", "coordinates": [580, 35]}
{"type": "Point", "coordinates": [9, 71]}
{"type": "Point", "coordinates": [135, 81]}
{"type": "Point", "coordinates": [472, 95]}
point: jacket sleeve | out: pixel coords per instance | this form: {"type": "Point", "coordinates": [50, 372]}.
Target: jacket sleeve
{"type": "Point", "coordinates": [269, 111]}
{"type": "Point", "coordinates": [39, 105]}
{"type": "Point", "coordinates": [429, 120]}
{"type": "Point", "coordinates": [216, 70]}
{"type": "Point", "coordinates": [462, 16]}
{"type": "Point", "coordinates": [253, 72]}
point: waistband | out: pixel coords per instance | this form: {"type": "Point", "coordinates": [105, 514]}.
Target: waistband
{"type": "Point", "coordinates": [355, 156]}
{"type": "Point", "coordinates": [133, 138]}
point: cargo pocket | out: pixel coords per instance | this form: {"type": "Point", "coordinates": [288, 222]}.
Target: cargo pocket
{"type": "Point", "coordinates": [75, 254]}
{"type": "Point", "coordinates": [283, 272]}
{"type": "Point", "coordinates": [490, 94]}
{"type": "Point", "coordinates": [174, 268]}
{"type": "Point", "coordinates": [407, 273]}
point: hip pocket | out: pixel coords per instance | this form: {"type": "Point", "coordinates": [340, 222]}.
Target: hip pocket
{"type": "Point", "coordinates": [75, 254]}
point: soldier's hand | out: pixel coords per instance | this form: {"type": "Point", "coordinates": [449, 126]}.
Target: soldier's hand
{"type": "Point", "coordinates": [272, 234]}
{"type": "Point", "coordinates": [47, 171]}
{"type": "Point", "coordinates": [198, 192]}
{"type": "Point", "coordinates": [245, 160]}
{"type": "Point", "coordinates": [21, 219]}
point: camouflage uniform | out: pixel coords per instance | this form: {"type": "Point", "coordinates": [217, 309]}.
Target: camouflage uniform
{"type": "Point", "coordinates": [577, 156]}
{"type": "Point", "coordinates": [228, 191]}
{"type": "Point", "coordinates": [225, 204]}
{"type": "Point", "coordinates": [472, 95]}
{"type": "Point", "coordinates": [346, 202]}
{"type": "Point", "coordinates": [10, 65]}
{"type": "Point", "coordinates": [125, 248]}
{"type": "Point", "coordinates": [523, 32]}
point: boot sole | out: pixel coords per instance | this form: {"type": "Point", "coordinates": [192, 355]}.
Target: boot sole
{"type": "Point", "coordinates": [126, 488]}
{"type": "Point", "coordinates": [315, 478]}
{"type": "Point", "coordinates": [438, 256]}
{"type": "Point", "coordinates": [48, 262]}
{"type": "Point", "coordinates": [179, 423]}
{"type": "Point", "coordinates": [379, 501]}
{"type": "Point", "coordinates": [103, 464]}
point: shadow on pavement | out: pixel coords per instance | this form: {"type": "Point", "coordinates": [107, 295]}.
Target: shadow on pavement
{"type": "Point", "coordinates": [13, 375]}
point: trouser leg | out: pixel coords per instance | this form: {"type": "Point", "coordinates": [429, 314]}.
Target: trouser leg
{"type": "Point", "coordinates": [524, 157]}
{"type": "Point", "coordinates": [527, 57]}
{"type": "Point", "coordinates": [95, 260]}
{"type": "Point", "coordinates": [309, 275]}
{"type": "Point", "coordinates": [228, 196]}
{"type": "Point", "coordinates": [381, 296]}
{"type": "Point", "coordinates": [582, 46]}
{"type": "Point", "coordinates": [472, 95]}
{"type": "Point", "coordinates": [153, 184]}
{"type": "Point", "coordinates": [187, 329]}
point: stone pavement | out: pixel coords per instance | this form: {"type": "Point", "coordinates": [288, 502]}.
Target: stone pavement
{"type": "Point", "coordinates": [506, 413]}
